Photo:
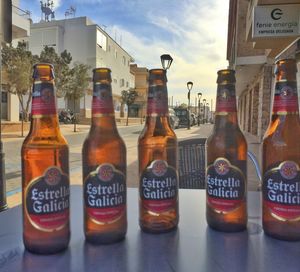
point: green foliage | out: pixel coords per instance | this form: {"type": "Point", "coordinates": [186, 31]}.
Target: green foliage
{"type": "Point", "coordinates": [61, 68]}
{"type": "Point", "coordinates": [128, 96]}
{"type": "Point", "coordinates": [79, 81]}
{"type": "Point", "coordinates": [17, 64]}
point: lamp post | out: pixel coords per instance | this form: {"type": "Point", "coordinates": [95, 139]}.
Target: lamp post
{"type": "Point", "coordinates": [204, 103]}
{"type": "Point", "coordinates": [207, 107]}
{"type": "Point", "coordinates": [198, 117]}
{"type": "Point", "coordinates": [189, 87]}
{"type": "Point", "coordinates": [166, 61]}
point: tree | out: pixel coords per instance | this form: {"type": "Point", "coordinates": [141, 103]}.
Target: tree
{"type": "Point", "coordinates": [128, 97]}
{"type": "Point", "coordinates": [61, 68]}
{"type": "Point", "coordinates": [77, 85]}
{"type": "Point", "coordinates": [17, 64]}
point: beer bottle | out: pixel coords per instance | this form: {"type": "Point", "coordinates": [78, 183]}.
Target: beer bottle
{"type": "Point", "coordinates": [157, 154]}
{"type": "Point", "coordinates": [45, 171]}
{"type": "Point", "coordinates": [104, 168]}
{"type": "Point", "coordinates": [281, 158]}
{"type": "Point", "coordinates": [226, 186]}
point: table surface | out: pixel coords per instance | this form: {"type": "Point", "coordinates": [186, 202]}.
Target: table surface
{"type": "Point", "coordinates": [192, 247]}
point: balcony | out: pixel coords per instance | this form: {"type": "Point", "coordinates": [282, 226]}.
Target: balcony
{"type": "Point", "coordinates": [20, 23]}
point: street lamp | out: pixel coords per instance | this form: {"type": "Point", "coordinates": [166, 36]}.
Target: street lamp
{"type": "Point", "coordinates": [207, 107]}
{"type": "Point", "coordinates": [199, 99]}
{"type": "Point", "coordinates": [204, 101]}
{"type": "Point", "coordinates": [189, 87]}
{"type": "Point", "coordinates": [166, 61]}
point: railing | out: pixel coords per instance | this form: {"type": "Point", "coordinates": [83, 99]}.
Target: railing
{"type": "Point", "coordinates": [23, 13]}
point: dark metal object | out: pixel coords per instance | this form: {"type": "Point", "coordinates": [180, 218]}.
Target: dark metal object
{"type": "Point", "coordinates": [5, 21]}
{"type": "Point", "coordinates": [189, 87]}
{"type": "Point", "coordinates": [166, 61]}
{"type": "Point", "coordinates": [199, 109]}
{"type": "Point", "coordinates": [192, 163]}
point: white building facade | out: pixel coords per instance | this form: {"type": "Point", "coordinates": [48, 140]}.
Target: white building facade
{"type": "Point", "coordinates": [88, 44]}
{"type": "Point", "coordinates": [20, 30]}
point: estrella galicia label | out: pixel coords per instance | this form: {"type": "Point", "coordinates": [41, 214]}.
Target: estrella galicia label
{"type": "Point", "coordinates": [157, 103]}
{"type": "Point", "coordinates": [159, 187]}
{"type": "Point", "coordinates": [281, 191]}
{"type": "Point", "coordinates": [43, 99]}
{"type": "Point", "coordinates": [102, 102]}
{"type": "Point", "coordinates": [285, 98]}
{"type": "Point", "coordinates": [47, 200]}
{"type": "Point", "coordinates": [225, 185]}
{"type": "Point", "coordinates": [226, 99]}
{"type": "Point", "coordinates": [105, 194]}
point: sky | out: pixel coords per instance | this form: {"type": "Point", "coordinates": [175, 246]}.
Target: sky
{"type": "Point", "coordinates": [193, 32]}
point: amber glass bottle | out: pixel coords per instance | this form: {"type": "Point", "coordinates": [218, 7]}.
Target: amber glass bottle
{"type": "Point", "coordinates": [45, 171]}
{"type": "Point", "coordinates": [281, 158]}
{"type": "Point", "coordinates": [226, 148]}
{"type": "Point", "coordinates": [104, 168]}
{"type": "Point", "coordinates": [157, 152]}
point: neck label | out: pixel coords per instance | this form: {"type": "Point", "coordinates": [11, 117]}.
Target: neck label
{"type": "Point", "coordinates": [281, 191]}
{"type": "Point", "coordinates": [43, 99]}
{"type": "Point", "coordinates": [226, 185]}
{"type": "Point", "coordinates": [226, 99]}
{"type": "Point", "coordinates": [102, 103]}
{"type": "Point", "coordinates": [157, 104]}
{"type": "Point", "coordinates": [285, 98]}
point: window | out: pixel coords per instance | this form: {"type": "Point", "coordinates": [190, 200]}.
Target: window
{"type": "Point", "coordinates": [116, 53]}
{"type": "Point", "coordinates": [115, 80]}
{"type": "Point", "coordinates": [124, 60]}
{"type": "Point", "coordinates": [127, 84]}
{"type": "Point", "coordinates": [122, 82]}
{"type": "Point", "coordinates": [101, 40]}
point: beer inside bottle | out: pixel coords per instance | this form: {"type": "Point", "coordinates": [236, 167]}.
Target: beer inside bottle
{"type": "Point", "coordinates": [157, 154]}
{"type": "Point", "coordinates": [104, 168]}
{"type": "Point", "coordinates": [226, 173]}
{"type": "Point", "coordinates": [45, 171]}
{"type": "Point", "coordinates": [281, 158]}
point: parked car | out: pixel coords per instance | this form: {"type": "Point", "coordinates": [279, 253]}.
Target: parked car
{"type": "Point", "coordinates": [174, 120]}
{"type": "Point", "coordinates": [183, 116]}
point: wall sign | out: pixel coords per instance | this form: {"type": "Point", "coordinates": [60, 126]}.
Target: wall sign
{"type": "Point", "coordinates": [276, 21]}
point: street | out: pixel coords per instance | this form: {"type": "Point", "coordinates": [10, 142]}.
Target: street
{"type": "Point", "coordinates": [130, 134]}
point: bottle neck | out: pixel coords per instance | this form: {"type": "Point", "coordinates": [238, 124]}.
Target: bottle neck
{"type": "Point", "coordinates": [103, 115]}
{"type": "Point", "coordinates": [44, 120]}
{"type": "Point", "coordinates": [226, 109]}
{"type": "Point", "coordinates": [285, 100]}
{"type": "Point", "coordinates": [157, 104]}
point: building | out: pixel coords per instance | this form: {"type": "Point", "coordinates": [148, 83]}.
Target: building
{"type": "Point", "coordinates": [88, 43]}
{"type": "Point", "coordinates": [259, 31]}
{"type": "Point", "coordinates": [138, 108]}
{"type": "Point", "coordinates": [20, 29]}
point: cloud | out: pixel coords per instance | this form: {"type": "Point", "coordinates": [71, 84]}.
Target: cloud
{"type": "Point", "coordinates": [198, 46]}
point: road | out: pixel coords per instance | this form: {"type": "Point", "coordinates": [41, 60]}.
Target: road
{"type": "Point", "coordinates": [12, 150]}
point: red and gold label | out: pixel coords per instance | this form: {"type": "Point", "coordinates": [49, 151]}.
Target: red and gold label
{"type": "Point", "coordinates": [102, 103]}
{"type": "Point", "coordinates": [285, 98]}
{"type": "Point", "coordinates": [281, 191]}
{"type": "Point", "coordinates": [43, 99]}
{"type": "Point", "coordinates": [157, 104]}
{"type": "Point", "coordinates": [159, 187]}
{"type": "Point", "coordinates": [226, 99]}
{"type": "Point", "coordinates": [47, 200]}
{"type": "Point", "coordinates": [105, 194]}
{"type": "Point", "coordinates": [225, 185]}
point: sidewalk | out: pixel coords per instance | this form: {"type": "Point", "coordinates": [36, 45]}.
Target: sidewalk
{"type": "Point", "coordinates": [132, 164]}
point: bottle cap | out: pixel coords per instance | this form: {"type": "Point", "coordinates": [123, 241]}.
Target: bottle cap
{"type": "Point", "coordinates": [43, 71]}
{"type": "Point", "coordinates": [159, 74]}
{"type": "Point", "coordinates": [227, 75]}
{"type": "Point", "coordinates": [101, 74]}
